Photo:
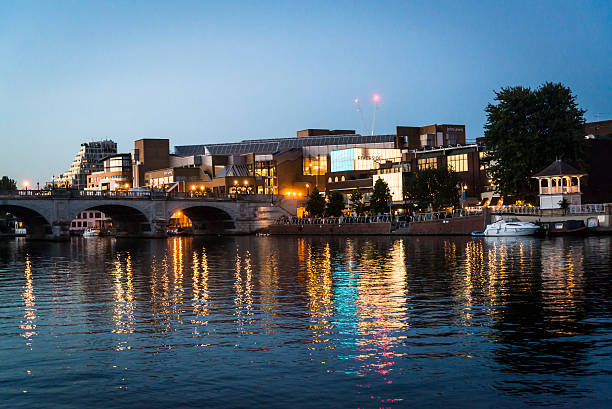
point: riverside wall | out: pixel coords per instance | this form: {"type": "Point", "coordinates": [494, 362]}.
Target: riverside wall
{"type": "Point", "coordinates": [454, 226]}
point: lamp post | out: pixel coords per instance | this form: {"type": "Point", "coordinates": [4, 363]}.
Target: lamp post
{"type": "Point", "coordinates": [235, 190]}
{"type": "Point", "coordinates": [307, 189]}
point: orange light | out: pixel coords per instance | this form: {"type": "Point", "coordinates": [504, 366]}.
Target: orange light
{"type": "Point", "coordinates": [127, 185]}
{"type": "Point", "coordinates": [178, 213]}
{"type": "Point", "coordinates": [300, 194]}
{"type": "Point", "coordinates": [235, 182]}
{"type": "Point", "coordinates": [192, 187]}
{"type": "Point", "coordinates": [201, 187]}
{"type": "Point", "coordinates": [246, 182]}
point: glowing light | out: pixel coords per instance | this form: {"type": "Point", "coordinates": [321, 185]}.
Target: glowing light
{"type": "Point", "coordinates": [178, 213]}
{"type": "Point", "coordinates": [356, 100]}
{"type": "Point", "coordinates": [192, 187]}
{"type": "Point", "coordinates": [26, 184]}
{"type": "Point", "coordinates": [127, 185]}
{"type": "Point", "coordinates": [376, 98]}
{"type": "Point", "coordinates": [235, 182]}
{"type": "Point", "coordinates": [300, 194]}
{"type": "Point", "coordinates": [246, 182]}
{"type": "Point", "coordinates": [307, 185]}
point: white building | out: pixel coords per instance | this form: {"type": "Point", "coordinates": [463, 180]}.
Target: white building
{"type": "Point", "coordinates": [557, 182]}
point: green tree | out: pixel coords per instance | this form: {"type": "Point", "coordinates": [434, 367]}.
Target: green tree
{"type": "Point", "coordinates": [7, 184]}
{"type": "Point", "coordinates": [564, 204]}
{"type": "Point", "coordinates": [335, 204]}
{"type": "Point", "coordinates": [357, 204]}
{"type": "Point", "coordinates": [315, 205]}
{"type": "Point", "coordinates": [381, 197]}
{"type": "Point", "coordinates": [435, 187]}
{"type": "Point", "coordinates": [528, 129]}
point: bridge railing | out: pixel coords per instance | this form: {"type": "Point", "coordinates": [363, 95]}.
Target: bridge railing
{"type": "Point", "coordinates": [133, 194]}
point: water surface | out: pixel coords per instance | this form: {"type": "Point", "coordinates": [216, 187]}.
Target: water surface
{"type": "Point", "coordinates": [269, 322]}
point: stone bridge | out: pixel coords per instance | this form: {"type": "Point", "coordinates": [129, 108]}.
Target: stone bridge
{"type": "Point", "coordinates": [47, 214]}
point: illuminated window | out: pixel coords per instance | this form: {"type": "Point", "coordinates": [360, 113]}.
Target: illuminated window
{"type": "Point", "coordinates": [427, 163]}
{"type": "Point", "coordinates": [482, 158]}
{"type": "Point", "coordinates": [315, 165]}
{"type": "Point", "coordinates": [458, 163]}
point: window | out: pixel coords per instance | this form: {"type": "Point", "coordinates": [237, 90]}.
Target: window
{"type": "Point", "coordinates": [452, 138]}
{"type": "Point", "coordinates": [343, 179]}
{"type": "Point", "coordinates": [427, 140]}
{"type": "Point", "coordinates": [73, 224]}
{"type": "Point", "coordinates": [427, 163]}
{"type": "Point", "coordinates": [458, 163]}
{"type": "Point", "coordinates": [315, 165]}
{"type": "Point", "coordinates": [98, 215]}
{"type": "Point", "coordinates": [482, 159]}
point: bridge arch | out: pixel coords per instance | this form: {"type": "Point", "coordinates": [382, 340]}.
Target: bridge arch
{"type": "Point", "coordinates": [36, 223]}
{"type": "Point", "coordinates": [206, 218]}
{"type": "Point", "coordinates": [127, 220]}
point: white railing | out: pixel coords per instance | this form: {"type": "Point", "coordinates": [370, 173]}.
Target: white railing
{"type": "Point", "coordinates": [527, 210]}
{"type": "Point", "coordinates": [590, 208]}
{"type": "Point", "coordinates": [559, 190]}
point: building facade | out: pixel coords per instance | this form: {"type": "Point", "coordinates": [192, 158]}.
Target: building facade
{"type": "Point", "coordinates": [88, 160]}
{"type": "Point", "coordinates": [117, 174]}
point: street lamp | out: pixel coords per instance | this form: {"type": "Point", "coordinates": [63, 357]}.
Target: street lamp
{"type": "Point", "coordinates": [307, 189]}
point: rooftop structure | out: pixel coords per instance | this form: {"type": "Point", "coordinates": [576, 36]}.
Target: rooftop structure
{"type": "Point", "coordinates": [557, 182]}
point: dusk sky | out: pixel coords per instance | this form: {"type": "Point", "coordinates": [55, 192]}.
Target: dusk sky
{"type": "Point", "coordinates": [198, 72]}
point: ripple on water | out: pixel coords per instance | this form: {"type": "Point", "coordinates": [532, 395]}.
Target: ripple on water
{"type": "Point", "coordinates": [333, 322]}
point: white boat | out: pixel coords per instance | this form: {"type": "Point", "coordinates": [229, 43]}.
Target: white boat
{"type": "Point", "coordinates": [91, 233]}
{"type": "Point", "coordinates": [508, 228]}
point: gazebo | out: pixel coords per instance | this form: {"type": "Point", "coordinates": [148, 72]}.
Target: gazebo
{"type": "Point", "coordinates": [557, 182]}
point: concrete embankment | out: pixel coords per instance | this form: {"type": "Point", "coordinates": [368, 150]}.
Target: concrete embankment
{"type": "Point", "coordinates": [460, 226]}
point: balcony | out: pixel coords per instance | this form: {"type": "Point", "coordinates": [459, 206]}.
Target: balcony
{"type": "Point", "coordinates": [557, 190]}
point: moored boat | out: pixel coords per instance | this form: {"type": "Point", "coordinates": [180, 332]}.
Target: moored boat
{"type": "Point", "coordinates": [508, 228]}
{"type": "Point", "coordinates": [91, 232]}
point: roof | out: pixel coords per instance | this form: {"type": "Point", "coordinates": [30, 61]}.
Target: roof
{"type": "Point", "coordinates": [270, 146]}
{"type": "Point", "coordinates": [559, 168]}
{"type": "Point", "coordinates": [234, 171]}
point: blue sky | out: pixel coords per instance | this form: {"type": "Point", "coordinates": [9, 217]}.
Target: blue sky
{"type": "Point", "coordinates": [200, 72]}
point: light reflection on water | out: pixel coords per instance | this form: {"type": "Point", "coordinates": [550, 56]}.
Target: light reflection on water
{"type": "Point", "coordinates": [277, 322]}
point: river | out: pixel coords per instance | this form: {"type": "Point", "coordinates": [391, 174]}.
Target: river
{"type": "Point", "coordinates": [275, 322]}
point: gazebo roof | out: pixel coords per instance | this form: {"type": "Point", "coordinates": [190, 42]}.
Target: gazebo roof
{"type": "Point", "coordinates": [559, 168]}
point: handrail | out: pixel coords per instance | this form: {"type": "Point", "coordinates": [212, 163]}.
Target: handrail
{"type": "Point", "coordinates": [45, 194]}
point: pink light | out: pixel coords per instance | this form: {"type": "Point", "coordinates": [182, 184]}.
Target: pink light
{"type": "Point", "coordinates": [376, 97]}
{"type": "Point", "coordinates": [356, 100]}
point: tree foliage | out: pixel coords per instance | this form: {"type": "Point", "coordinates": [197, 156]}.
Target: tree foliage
{"type": "Point", "coordinates": [381, 197]}
{"type": "Point", "coordinates": [357, 204]}
{"type": "Point", "coordinates": [7, 184]}
{"type": "Point", "coordinates": [315, 205]}
{"type": "Point", "coordinates": [528, 129]}
{"type": "Point", "coordinates": [335, 204]}
{"type": "Point", "coordinates": [435, 187]}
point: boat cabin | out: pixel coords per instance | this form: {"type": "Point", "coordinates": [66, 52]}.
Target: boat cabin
{"type": "Point", "coordinates": [557, 182]}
